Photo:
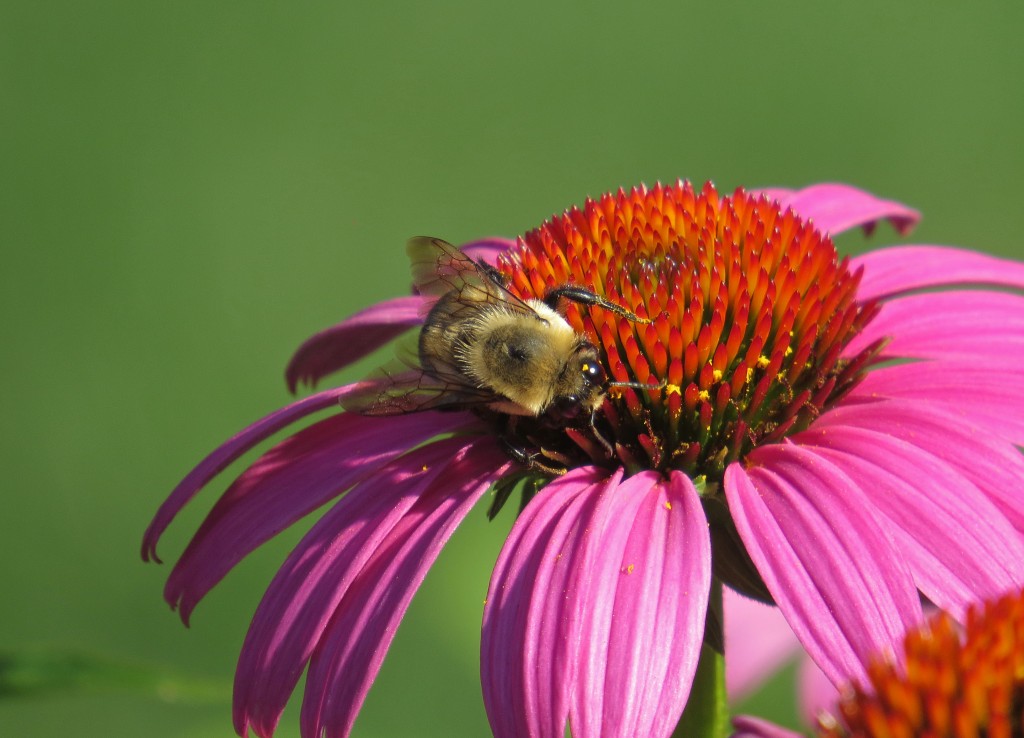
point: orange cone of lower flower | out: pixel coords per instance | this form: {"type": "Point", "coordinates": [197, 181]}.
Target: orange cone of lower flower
{"type": "Point", "coordinates": [965, 684]}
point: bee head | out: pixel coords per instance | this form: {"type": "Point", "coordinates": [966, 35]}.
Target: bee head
{"type": "Point", "coordinates": [581, 387]}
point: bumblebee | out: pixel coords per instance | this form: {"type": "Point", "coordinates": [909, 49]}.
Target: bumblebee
{"type": "Point", "coordinates": [483, 348]}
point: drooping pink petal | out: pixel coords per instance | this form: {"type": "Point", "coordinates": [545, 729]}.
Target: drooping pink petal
{"type": "Point", "coordinates": [898, 269]}
{"type": "Point", "coordinates": [527, 650]}
{"type": "Point", "coordinates": [967, 326]}
{"type": "Point", "coordinates": [959, 547]}
{"type": "Point", "coordinates": [599, 596]}
{"type": "Point", "coordinates": [227, 452]}
{"type": "Point", "coordinates": [287, 483]}
{"type": "Point", "coordinates": [991, 464]}
{"type": "Point", "coordinates": [349, 655]}
{"type": "Point", "coordinates": [353, 338]}
{"type": "Point", "coordinates": [987, 395]}
{"type": "Point", "coordinates": [487, 249]}
{"type": "Point", "coordinates": [307, 589]}
{"type": "Point", "coordinates": [808, 528]}
{"type": "Point", "coordinates": [835, 208]}
{"type": "Point", "coordinates": [746, 726]}
{"type": "Point", "coordinates": [643, 609]}
{"type": "Point", "coordinates": [815, 692]}
{"type": "Point", "coordinates": [758, 641]}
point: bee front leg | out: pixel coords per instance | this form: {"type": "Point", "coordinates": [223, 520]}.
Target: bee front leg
{"type": "Point", "coordinates": [605, 443]}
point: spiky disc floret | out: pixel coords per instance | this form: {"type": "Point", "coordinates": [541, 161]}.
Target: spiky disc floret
{"type": "Point", "coordinates": [961, 687]}
{"type": "Point", "coordinates": [750, 308]}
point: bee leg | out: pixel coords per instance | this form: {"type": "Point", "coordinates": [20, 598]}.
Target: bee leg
{"type": "Point", "coordinates": [600, 439]}
{"type": "Point", "coordinates": [492, 274]}
{"type": "Point", "coordinates": [586, 297]}
{"type": "Point", "coordinates": [530, 459]}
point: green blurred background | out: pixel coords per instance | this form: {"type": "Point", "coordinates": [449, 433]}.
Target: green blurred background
{"type": "Point", "coordinates": [188, 190]}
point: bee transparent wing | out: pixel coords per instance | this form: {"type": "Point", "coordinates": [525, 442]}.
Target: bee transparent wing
{"type": "Point", "coordinates": [400, 389]}
{"type": "Point", "coordinates": [438, 268]}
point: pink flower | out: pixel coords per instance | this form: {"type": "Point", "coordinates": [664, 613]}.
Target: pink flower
{"type": "Point", "coordinates": [761, 642]}
{"type": "Point", "coordinates": [949, 681]}
{"type": "Point", "coordinates": [777, 430]}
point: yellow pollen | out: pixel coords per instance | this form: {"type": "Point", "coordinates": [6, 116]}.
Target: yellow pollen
{"type": "Point", "coordinates": [750, 374]}
{"type": "Point", "coordinates": [673, 389]}
{"type": "Point", "coordinates": [668, 505]}
{"type": "Point", "coordinates": [763, 361]}
{"type": "Point", "coordinates": [704, 395]}
{"type": "Point", "coordinates": [629, 569]}
{"type": "Point", "coordinates": [789, 350]}
{"type": "Point", "coordinates": [717, 375]}
{"type": "Point", "coordinates": [425, 467]}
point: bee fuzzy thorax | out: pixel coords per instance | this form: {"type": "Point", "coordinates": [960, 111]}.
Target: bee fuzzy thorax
{"type": "Point", "coordinates": [521, 357]}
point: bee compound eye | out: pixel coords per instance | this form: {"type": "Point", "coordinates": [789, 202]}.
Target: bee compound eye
{"type": "Point", "coordinates": [593, 373]}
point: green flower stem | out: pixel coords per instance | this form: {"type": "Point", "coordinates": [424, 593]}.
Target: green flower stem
{"type": "Point", "coordinates": [707, 710]}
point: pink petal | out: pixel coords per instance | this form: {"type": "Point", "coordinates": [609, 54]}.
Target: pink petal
{"type": "Point", "coordinates": [746, 726]}
{"type": "Point", "coordinates": [834, 208]}
{"type": "Point", "coordinates": [307, 589]}
{"type": "Point", "coordinates": [758, 642]}
{"type": "Point", "coordinates": [351, 339]}
{"type": "Point", "coordinates": [957, 544]}
{"type": "Point", "coordinates": [897, 269]}
{"type": "Point", "coordinates": [288, 482]}
{"type": "Point", "coordinates": [643, 609]}
{"type": "Point", "coordinates": [487, 249]}
{"type": "Point", "coordinates": [227, 452]}
{"type": "Point", "coordinates": [843, 588]}
{"type": "Point", "coordinates": [967, 326]}
{"type": "Point", "coordinates": [991, 464]}
{"type": "Point", "coordinates": [528, 653]}
{"type": "Point", "coordinates": [598, 597]}
{"type": "Point", "coordinates": [349, 655]}
{"type": "Point", "coordinates": [988, 396]}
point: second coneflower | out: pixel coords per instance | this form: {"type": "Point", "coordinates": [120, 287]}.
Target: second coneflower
{"type": "Point", "coordinates": [798, 419]}
{"type": "Point", "coordinates": [950, 682]}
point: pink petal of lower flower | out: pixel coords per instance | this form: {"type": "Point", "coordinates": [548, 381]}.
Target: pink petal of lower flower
{"type": "Point", "coordinates": [745, 726]}
{"type": "Point", "coordinates": [642, 615]}
{"type": "Point", "coordinates": [487, 249]}
{"type": "Point", "coordinates": [897, 269]}
{"type": "Point", "coordinates": [527, 651]}
{"type": "Point", "coordinates": [227, 452]}
{"type": "Point", "coordinates": [957, 544]}
{"type": "Point", "coordinates": [307, 589]}
{"type": "Point", "coordinates": [986, 395]}
{"type": "Point", "coordinates": [287, 483]}
{"type": "Point", "coordinates": [834, 208]}
{"type": "Point", "coordinates": [348, 657]}
{"type": "Point", "coordinates": [351, 339]}
{"type": "Point", "coordinates": [809, 530]}
{"type": "Point", "coordinates": [993, 465]}
{"type": "Point", "coordinates": [969, 326]}
{"type": "Point", "coordinates": [758, 641]}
